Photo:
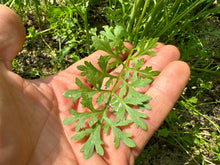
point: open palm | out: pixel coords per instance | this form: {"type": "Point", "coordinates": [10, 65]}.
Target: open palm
{"type": "Point", "coordinates": [31, 111]}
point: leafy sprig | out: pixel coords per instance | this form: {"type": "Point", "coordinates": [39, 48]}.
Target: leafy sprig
{"type": "Point", "coordinates": [115, 94]}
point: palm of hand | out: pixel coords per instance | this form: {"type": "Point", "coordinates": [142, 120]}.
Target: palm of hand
{"type": "Point", "coordinates": [34, 131]}
{"type": "Point", "coordinates": [31, 111]}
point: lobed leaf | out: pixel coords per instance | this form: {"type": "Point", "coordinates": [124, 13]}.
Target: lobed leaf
{"type": "Point", "coordinates": [82, 134]}
{"type": "Point", "coordinates": [120, 135]}
{"type": "Point", "coordinates": [145, 45]}
{"type": "Point", "coordinates": [92, 73]}
{"type": "Point", "coordinates": [120, 98]}
{"type": "Point", "coordinates": [147, 73]}
{"type": "Point", "coordinates": [136, 117]}
{"type": "Point", "coordinates": [81, 119]}
{"type": "Point", "coordinates": [74, 94]}
{"type": "Point", "coordinates": [69, 120]}
{"type": "Point", "coordinates": [141, 82]}
{"type": "Point", "coordinates": [123, 90]}
{"type": "Point", "coordinates": [93, 142]}
{"type": "Point", "coordinates": [103, 62]}
{"type": "Point", "coordinates": [100, 44]}
{"type": "Point", "coordinates": [135, 98]}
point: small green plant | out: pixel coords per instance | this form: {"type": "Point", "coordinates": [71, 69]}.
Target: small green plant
{"type": "Point", "coordinates": [135, 26]}
{"type": "Point", "coordinates": [68, 25]}
{"type": "Point", "coordinates": [119, 99]}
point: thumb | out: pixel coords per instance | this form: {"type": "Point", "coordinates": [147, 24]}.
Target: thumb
{"type": "Point", "coordinates": [12, 36]}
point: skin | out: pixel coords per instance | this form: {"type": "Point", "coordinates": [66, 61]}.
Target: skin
{"type": "Point", "coordinates": [31, 111]}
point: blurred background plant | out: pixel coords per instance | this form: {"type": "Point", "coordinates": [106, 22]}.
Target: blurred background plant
{"type": "Point", "coordinates": [59, 34]}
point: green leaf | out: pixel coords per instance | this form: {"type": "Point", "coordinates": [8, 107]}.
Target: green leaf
{"type": "Point", "coordinates": [148, 73]}
{"type": "Point", "coordinates": [81, 119]}
{"type": "Point", "coordinates": [114, 64]}
{"type": "Point", "coordinates": [108, 83]}
{"type": "Point", "coordinates": [100, 44]}
{"type": "Point", "coordinates": [72, 111]}
{"type": "Point", "coordinates": [87, 102]}
{"type": "Point", "coordinates": [106, 127]}
{"type": "Point", "coordinates": [69, 120]}
{"type": "Point", "coordinates": [126, 74]}
{"type": "Point", "coordinates": [122, 122]}
{"type": "Point", "coordinates": [147, 106]}
{"type": "Point", "coordinates": [193, 100]}
{"type": "Point", "coordinates": [120, 98]}
{"type": "Point", "coordinates": [108, 33]}
{"type": "Point", "coordinates": [116, 105]}
{"type": "Point", "coordinates": [80, 84]}
{"type": "Point", "coordinates": [145, 46]}
{"type": "Point", "coordinates": [93, 142]}
{"type": "Point", "coordinates": [120, 32]}
{"type": "Point", "coordinates": [136, 117]}
{"type": "Point", "coordinates": [82, 134]}
{"type": "Point", "coordinates": [103, 62]}
{"type": "Point", "coordinates": [101, 98]}
{"type": "Point", "coordinates": [120, 135]}
{"type": "Point", "coordinates": [123, 90]}
{"type": "Point", "coordinates": [74, 94]}
{"type": "Point", "coordinates": [120, 115]}
{"type": "Point", "coordinates": [141, 82]}
{"type": "Point", "coordinates": [163, 132]}
{"type": "Point", "coordinates": [81, 67]}
{"type": "Point", "coordinates": [92, 73]}
{"type": "Point", "coordinates": [92, 120]}
{"type": "Point", "coordinates": [85, 90]}
{"type": "Point", "coordinates": [138, 63]}
{"type": "Point", "coordinates": [135, 98]}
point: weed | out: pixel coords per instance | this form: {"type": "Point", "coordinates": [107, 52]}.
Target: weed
{"type": "Point", "coordinates": [70, 25]}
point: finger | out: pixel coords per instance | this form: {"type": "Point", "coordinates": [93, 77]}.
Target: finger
{"type": "Point", "coordinates": [158, 47]}
{"type": "Point", "coordinates": [165, 91]}
{"type": "Point", "coordinates": [12, 35]}
{"type": "Point", "coordinates": [164, 56]}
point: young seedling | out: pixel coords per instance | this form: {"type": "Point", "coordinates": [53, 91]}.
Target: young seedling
{"type": "Point", "coordinates": [105, 85]}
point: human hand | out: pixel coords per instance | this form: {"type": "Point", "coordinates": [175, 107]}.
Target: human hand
{"type": "Point", "coordinates": [31, 111]}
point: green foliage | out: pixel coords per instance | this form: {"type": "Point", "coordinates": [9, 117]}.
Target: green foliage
{"type": "Point", "coordinates": [194, 115]}
{"type": "Point", "coordinates": [72, 25]}
{"type": "Point", "coordinates": [66, 30]}
{"type": "Point", "coordinates": [121, 104]}
{"type": "Point", "coordinates": [163, 19]}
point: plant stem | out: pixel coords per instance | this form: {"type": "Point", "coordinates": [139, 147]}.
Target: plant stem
{"type": "Point", "coordinates": [195, 111]}
{"type": "Point", "coordinates": [179, 17]}
{"type": "Point", "coordinates": [115, 85]}
{"type": "Point", "coordinates": [85, 19]}
{"type": "Point", "coordinates": [188, 153]}
{"type": "Point", "coordinates": [140, 19]}
{"type": "Point", "coordinates": [205, 70]}
{"type": "Point", "coordinates": [84, 16]}
{"type": "Point", "coordinates": [133, 14]}
{"type": "Point", "coordinates": [87, 31]}
{"type": "Point", "coordinates": [152, 17]}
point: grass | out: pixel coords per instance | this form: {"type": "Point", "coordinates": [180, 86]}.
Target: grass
{"type": "Point", "coordinates": [61, 34]}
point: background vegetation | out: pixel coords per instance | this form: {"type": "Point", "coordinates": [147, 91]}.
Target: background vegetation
{"type": "Point", "coordinates": [59, 33]}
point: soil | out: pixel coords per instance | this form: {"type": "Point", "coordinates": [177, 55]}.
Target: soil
{"type": "Point", "coordinates": [36, 62]}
